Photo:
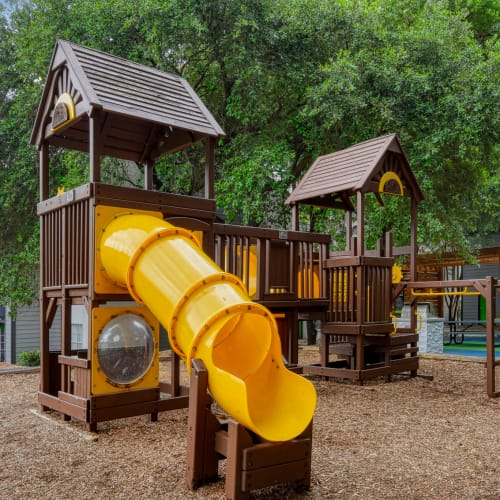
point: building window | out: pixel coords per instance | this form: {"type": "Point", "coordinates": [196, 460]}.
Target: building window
{"type": "Point", "coordinates": [76, 336]}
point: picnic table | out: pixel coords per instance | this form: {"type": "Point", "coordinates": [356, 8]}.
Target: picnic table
{"type": "Point", "coordinates": [457, 329]}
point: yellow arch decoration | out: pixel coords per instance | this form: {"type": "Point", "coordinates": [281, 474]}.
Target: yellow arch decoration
{"type": "Point", "coordinates": [64, 112]}
{"type": "Point", "coordinates": [390, 183]}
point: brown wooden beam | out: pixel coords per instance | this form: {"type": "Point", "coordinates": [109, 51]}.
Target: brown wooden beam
{"type": "Point", "coordinates": [209, 167]}
{"type": "Point", "coordinates": [95, 147]}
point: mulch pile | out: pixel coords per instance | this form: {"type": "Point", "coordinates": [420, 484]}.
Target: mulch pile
{"type": "Point", "coordinates": [413, 438]}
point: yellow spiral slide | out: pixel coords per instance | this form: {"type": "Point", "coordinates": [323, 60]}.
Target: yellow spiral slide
{"type": "Point", "coordinates": [208, 315]}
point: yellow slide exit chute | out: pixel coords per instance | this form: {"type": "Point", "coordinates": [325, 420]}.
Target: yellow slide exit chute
{"type": "Point", "coordinates": [208, 315]}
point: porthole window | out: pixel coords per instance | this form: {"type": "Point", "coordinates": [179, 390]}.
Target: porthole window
{"type": "Point", "coordinates": [125, 349]}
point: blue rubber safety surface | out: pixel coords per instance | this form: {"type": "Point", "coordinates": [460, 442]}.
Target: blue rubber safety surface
{"type": "Point", "coordinates": [475, 346]}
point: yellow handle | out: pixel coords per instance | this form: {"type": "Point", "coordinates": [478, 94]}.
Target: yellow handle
{"type": "Point", "coordinates": [395, 322]}
{"type": "Point", "coordinates": [419, 321]}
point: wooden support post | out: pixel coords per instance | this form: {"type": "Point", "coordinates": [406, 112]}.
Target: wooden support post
{"type": "Point", "coordinates": [292, 355]}
{"type": "Point", "coordinates": [148, 175]}
{"type": "Point", "coordinates": [252, 462]}
{"type": "Point", "coordinates": [360, 219]}
{"type": "Point", "coordinates": [175, 383]}
{"type": "Point", "coordinates": [388, 244]}
{"type": "Point", "coordinates": [360, 352]}
{"type": "Point", "coordinates": [44, 301]}
{"type": "Point", "coordinates": [348, 230]}
{"type": "Point", "coordinates": [324, 350]}
{"type": "Point", "coordinates": [490, 297]}
{"type": "Point", "coordinates": [295, 217]}
{"type": "Point", "coordinates": [202, 460]}
{"type": "Point", "coordinates": [43, 156]}
{"type": "Point", "coordinates": [209, 167]}
{"type": "Point", "coordinates": [95, 146]}
{"type": "Point", "coordinates": [413, 261]}
{"type": "Point", "coordinates": [44, 347]}
{"type": "Point", "coordinates": [238, 439]}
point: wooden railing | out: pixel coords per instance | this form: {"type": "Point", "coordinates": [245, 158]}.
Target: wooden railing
{"type": "Point", "coordinates": [360, 289]}
{"type": "Point", "coordinates": [65, 235]}
{"type": "Point", "coordinates": [273, 264]}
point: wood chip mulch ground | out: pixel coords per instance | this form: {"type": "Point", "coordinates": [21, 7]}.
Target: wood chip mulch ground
{"type": "Point", "coordinates": [413, 438]}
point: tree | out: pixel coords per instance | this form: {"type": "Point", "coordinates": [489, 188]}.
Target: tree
{"type": "Point", "coordinates": [427, 79]}
{"type": "Point", "coordinates": [483, 15]}
{"type": "Point", "coordinates": [287, 81]}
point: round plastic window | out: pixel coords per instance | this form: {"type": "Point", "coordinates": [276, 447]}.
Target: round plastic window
{"type": "Point", "coordinates": [125, 349]}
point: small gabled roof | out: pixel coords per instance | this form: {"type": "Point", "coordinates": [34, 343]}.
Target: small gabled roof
{"type": "Point", "coordinates": [147, 112]}
{"type": "Point", "coordinates": [333, 178]}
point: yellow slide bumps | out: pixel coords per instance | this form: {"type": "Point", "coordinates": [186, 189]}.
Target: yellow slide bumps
{"type": "Point", "coordinates": [208, 315]}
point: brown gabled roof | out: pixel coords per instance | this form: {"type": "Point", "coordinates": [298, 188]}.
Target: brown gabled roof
{"type": "Point", "coordinates": [148, 112]}
{"type": "Point", "coordinates": [333, 178]}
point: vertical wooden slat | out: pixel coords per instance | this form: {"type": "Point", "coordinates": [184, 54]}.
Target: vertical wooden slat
{"type": "Point", "coordinates": [261, 268]}
{"type": "Point", "coordinates": [232, 253]}
{"type": "Point", "coordinates": [88, 237]}
{"type": "Point", "coordinates": [294, 268]}
{"type": "Point", "coordinates": [490, 297]}
{"type": "Point", "coordinates": [379, 301]}
{"type": "Point", "coordinates": [310, 270]}
{"type": "Point", "coordinates": [48, 248]}
{"type": "Point", "coordinates": [352, 290]}
{"type": "Point", "coordinates": [70, 257]}
{"type": "Point", "coordinates": [219, 251]}
{"type": "Point", "coordinates": [322, 272]}
{"type": "Point", "coordinates": [341, 303]}
{"type": "Point", "coordinates": [334, 294]}
{"type": "Point", "coordinates": [267, 264]}
{"type": "Point", "coordinates": [239, 255]}
{"type": "Point", "coordinates": [79, 243]}
{"type": "Point", "coordinates": [246, 278]}
{"type": "Point", "coordinates": [300, 290]}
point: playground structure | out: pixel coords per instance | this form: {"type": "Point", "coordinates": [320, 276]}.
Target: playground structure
{"type": "Point", "coordinates": [102, 245]}
{"type": "Point", "coordinates": [358, 325]}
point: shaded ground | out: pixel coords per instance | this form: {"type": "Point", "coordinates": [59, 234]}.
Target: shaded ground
{"type": "Point", "coordinates": [409, 439]}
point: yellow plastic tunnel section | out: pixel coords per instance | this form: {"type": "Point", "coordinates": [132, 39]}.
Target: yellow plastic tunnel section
{"type": "Point", "coordinates": [208, 315]}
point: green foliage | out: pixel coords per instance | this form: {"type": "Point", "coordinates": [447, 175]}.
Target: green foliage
{"type": "Point", "coordinates": [182, 172]}
{"type": "Point", "coordinates": [483, 15]}
{"type": "Point", "coordinates": [287, 81]}
{"type": "Point", "coordinates": [29, 358]}
{"type": "Point", "coordinates": [254, 182]}
{"type": "Point", "coordinates": [429, 81]}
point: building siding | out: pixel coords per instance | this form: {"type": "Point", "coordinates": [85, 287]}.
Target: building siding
{"type": "Point", "coordinates": [8, 338]}
{"type": "Point", "coordinates": [470, 305]}
{"type": "Point", "coordinates": [23, 334]}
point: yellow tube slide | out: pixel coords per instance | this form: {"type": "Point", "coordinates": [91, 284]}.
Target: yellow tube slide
{"type": "Point", "coordinates": [208, 315]}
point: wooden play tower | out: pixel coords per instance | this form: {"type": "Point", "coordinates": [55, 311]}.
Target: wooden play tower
{"type": "Point", "coordinates": [358, 327]}
{"type": "Point", "coordinates": [106, 106]}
